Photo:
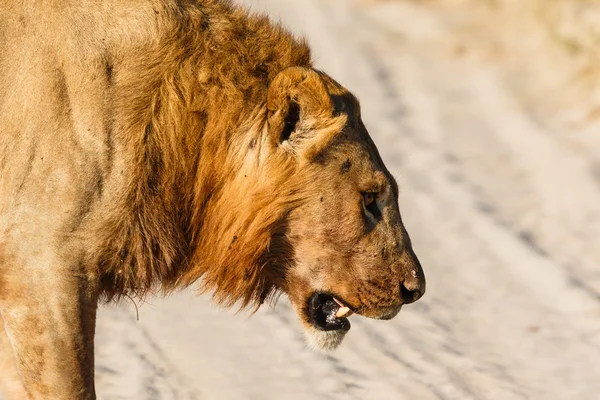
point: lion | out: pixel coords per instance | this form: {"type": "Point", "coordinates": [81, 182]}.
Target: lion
{"type": "Point", "coordinates": [146, 146]}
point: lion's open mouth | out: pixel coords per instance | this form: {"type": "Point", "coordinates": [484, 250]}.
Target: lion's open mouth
{"type": "Point", "coordinates": [327, 313]}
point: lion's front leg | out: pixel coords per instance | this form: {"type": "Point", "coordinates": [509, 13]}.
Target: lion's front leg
{"type": "Point", "coordinates": [50, 322]}
{"type": "Point", "coordinates": [10, 381]}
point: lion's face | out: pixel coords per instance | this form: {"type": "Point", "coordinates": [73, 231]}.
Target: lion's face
{"type": "Point", "coordinates": [351, 253]}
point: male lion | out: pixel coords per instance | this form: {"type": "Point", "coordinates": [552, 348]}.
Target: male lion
{"type": "Point", "coordinates": [147, 144]}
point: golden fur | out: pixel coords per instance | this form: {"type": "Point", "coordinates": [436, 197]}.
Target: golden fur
{"type": "Point", "coordinates": [148, 145]}
{"type": "Point", "coordinates": [224, 69]}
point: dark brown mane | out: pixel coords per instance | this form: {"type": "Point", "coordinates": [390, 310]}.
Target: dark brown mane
{"type": "Point", "coordinates": [188, 212]}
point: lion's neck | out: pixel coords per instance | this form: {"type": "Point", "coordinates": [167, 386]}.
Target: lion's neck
{"type": "Point", "coordinates": [191, 111]}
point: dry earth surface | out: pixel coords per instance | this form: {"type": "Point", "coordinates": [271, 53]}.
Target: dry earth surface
{"type": "Point", "coordinates": [502, 200]}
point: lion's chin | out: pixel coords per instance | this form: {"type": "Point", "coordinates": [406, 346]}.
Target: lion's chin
{"type": "Point", "coordinates": [324, 340]}
{"type": "Point", "coordinates": [324, 320]}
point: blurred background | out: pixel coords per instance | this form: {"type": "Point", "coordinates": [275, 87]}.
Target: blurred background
{"type": "Point", "coordinates": [487, 112]}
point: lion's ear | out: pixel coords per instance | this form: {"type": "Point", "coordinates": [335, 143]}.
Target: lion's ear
{"type": "Point", "coordinates": [300, 111]}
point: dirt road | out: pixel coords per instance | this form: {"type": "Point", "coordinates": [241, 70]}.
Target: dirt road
{"type": "Point", "coordinates": [504, 211]}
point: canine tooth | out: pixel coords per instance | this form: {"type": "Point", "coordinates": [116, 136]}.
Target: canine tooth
{"type": "Point", "coordinates": [339, 303]}
{"type": "Point", "coordinates": [343, 311]}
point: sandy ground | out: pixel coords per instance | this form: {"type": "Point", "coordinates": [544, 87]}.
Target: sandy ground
{"type": "Point", "coordinates": [503, 207]}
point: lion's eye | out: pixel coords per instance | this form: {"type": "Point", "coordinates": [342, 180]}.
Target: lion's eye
{"type": "Point", "coordinates": [369, 198]}
{"type": "Point", "coordinates": [370, 202]}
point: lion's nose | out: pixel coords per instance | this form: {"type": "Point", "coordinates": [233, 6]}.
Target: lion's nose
{"type": "Point", "coordinates": [412, 279]}
{"type": "Point", "coordinates": [410, 295]}
{"type": "Point", "coordinates": [412, 287]}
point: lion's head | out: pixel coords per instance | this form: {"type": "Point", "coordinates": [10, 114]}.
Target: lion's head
{"type": "Point", "coordinates": [351, 253]}
{"type": "Point", "coordinates": [307, 208]}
